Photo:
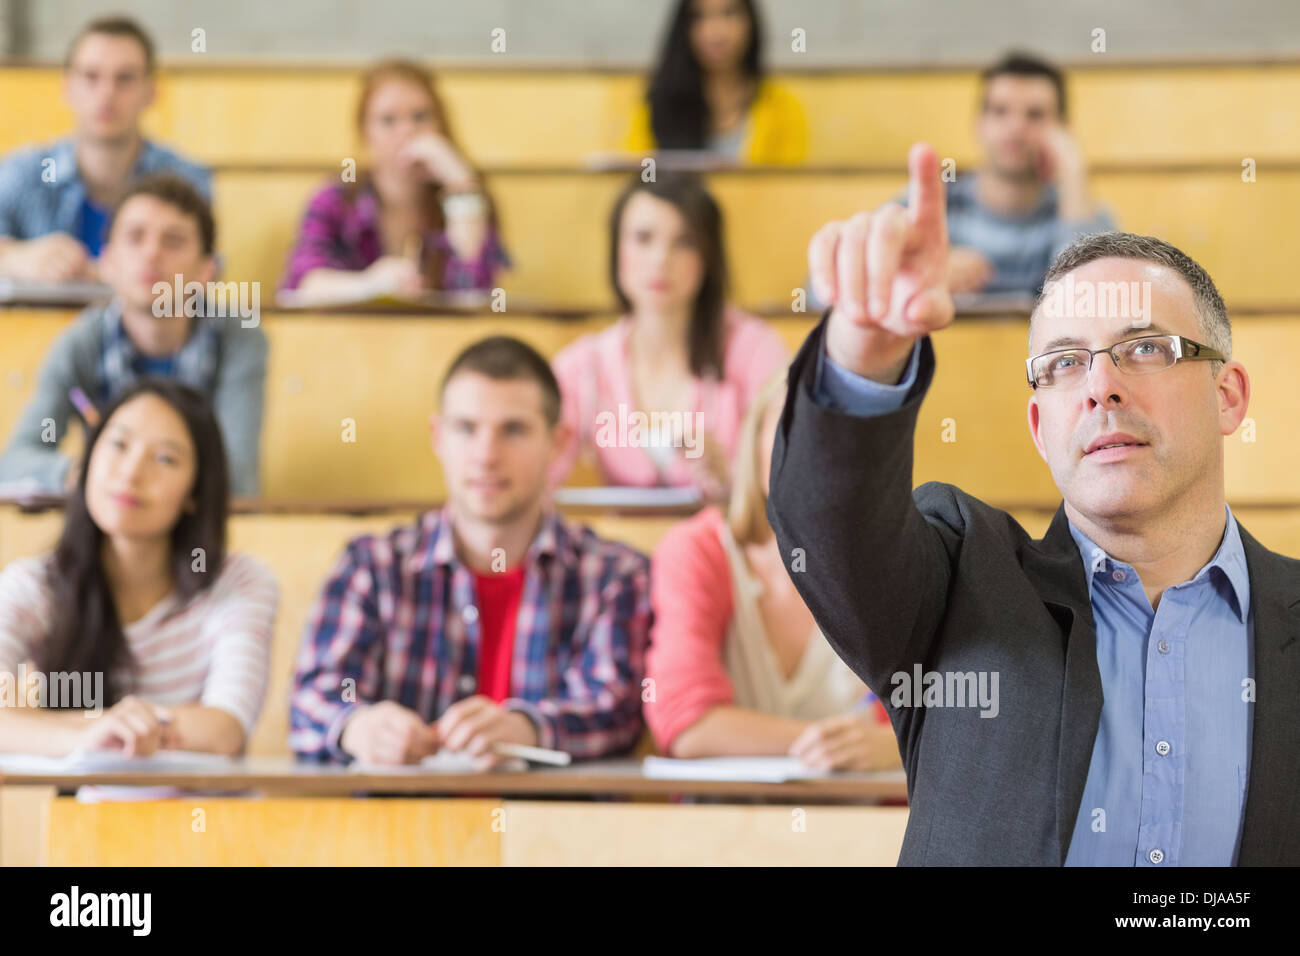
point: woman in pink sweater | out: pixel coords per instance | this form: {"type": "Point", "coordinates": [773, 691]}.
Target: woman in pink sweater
{"type": "Point", "coordinates": [738, 665]}
{"type": "Point", "coordinates": [657, 398]}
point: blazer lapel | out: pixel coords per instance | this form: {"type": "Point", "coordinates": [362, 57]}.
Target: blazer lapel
{"type": "Point", "coordinates": [1270, 812]}
{"type": "Point", "coordinates": [1058, 573]}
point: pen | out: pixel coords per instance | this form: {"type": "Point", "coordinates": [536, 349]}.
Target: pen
{"type": "Point", "coordinates": [556, 758]}
{"type": "Point", "coordinates": [84, 405]}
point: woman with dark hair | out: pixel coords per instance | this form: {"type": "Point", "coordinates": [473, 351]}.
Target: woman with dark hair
{"type": "Point", "coordinates": [416, 218]}
{"type": "Point", "coordinates": [657, 398]}
{"type": "Point", "coordinates": [144, 632]}
{"type": "Point", "coordinates": [709, 92]}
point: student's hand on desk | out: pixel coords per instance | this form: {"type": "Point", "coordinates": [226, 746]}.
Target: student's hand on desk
{"type": "Point", "coordinates": [476, 723]}
{"type": "Point", "coordinates": [394, 275]}
{"type": "Point", "coordinates": [388, 733]}
{"type": "Point", "coordinates": [885, 274]}
{"type": "Point", "coordinates": [847, 742]}
{"type": "Point", "coordinates": [57, 257]}
{"type": "Point", "coordinates": [133, 726]}
{"type": "Point", "coordinates": [969, 270]}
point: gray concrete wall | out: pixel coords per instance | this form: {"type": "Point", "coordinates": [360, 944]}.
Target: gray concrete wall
{"type": "Point", "coordinates": [625, 33]}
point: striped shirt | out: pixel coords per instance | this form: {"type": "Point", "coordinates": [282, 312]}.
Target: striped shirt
{"type": "Point", "coordinates": [41, 190]}
{"type": "Point", "coordinates": [214, 650]}
{"type": "Point", "coordinates": [398, 620]}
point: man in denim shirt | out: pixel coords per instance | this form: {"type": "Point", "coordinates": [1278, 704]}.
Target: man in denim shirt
{"type": "Point", "coordinates": [1008, 219]}
{"type": "Point", "coordinates": [55, 199]}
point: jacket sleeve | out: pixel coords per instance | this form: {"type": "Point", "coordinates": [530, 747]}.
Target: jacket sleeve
{"type": "Point", "coordinates": [871, 567]}
{"type": "Point", "coordinates": [237, 403]}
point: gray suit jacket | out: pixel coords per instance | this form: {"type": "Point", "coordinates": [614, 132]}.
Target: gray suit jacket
{"type": "Point", "coordinates": [897, 578]}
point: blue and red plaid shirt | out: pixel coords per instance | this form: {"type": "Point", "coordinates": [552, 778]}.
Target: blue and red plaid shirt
{"type": "Point", "coordinates": [397, 620]}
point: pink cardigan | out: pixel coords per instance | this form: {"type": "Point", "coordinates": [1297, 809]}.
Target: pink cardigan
{"type": "Point", "coordinates": [691, 591]}
{"type": "Point", "coordinates": [595, 378]}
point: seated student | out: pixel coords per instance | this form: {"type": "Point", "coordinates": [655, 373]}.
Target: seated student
{"type": "Point", "coordinates": [163, 638]}
{"type": "Point", "coordinates": [55, 199]}
{"type": "Point", "coordinates": [492, 620]}
{"type": "Point", "coordinates": [709, 91]}
{"type": "Point", "coordinates": [738, 664]}
{"type": "Point", "coordinates": [418, 218]}
{"type": "Point", "coordinates": [1029, 199]}
{"type": "Point", "coordinates": [1008, 219]}
{"type": "Point", "coordinates": [679, 353]}
{"type": "Point", "coordinates": [160, 229]}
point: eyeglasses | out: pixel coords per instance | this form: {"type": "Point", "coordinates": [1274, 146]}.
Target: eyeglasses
{"type": "Point", "coordinates": [1140, 356]}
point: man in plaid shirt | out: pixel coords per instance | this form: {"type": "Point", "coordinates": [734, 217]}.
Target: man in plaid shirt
{"type": "Point", "coordinates": [491, 620]}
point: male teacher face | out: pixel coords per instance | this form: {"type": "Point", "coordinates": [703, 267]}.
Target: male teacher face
{"type": "Point", "coordinates": [496, 446]}
{"type": "Point", "coordinates": [1171, 422]}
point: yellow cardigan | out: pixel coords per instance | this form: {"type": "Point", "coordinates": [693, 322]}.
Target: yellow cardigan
{"type": "Point", "coordinates": [778, 131]}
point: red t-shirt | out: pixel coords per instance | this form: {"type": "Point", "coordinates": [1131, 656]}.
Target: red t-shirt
{"type": "Point", "coordinates": [499, 594]}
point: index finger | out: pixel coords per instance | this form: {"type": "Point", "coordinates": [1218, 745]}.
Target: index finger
{"type": "Point", "coordinates": [926, 208]}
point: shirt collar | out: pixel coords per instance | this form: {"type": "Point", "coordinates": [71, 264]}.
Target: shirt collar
{"type": "Point", "coordinates": [64, 154]}
{"type": "Point", "coordinates": [1229, 560]}
{"type": "Point", "coordinates": [436, 541]}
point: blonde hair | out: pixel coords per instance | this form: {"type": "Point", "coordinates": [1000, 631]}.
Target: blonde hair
{"type": "Point", "coordinates": [747, 510]}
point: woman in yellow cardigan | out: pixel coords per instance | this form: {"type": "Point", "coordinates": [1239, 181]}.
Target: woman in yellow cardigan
{"type": "Point", "coordinates": [709, 93]}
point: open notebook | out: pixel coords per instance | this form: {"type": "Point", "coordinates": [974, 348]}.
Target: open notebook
{"type": "Point", "coordinates": [744, 769]}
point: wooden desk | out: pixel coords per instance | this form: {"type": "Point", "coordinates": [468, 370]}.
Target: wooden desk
{"type": "Point", "coordinates": [607, 778]}
{"type": "Point", "coordinates": [302, 815]}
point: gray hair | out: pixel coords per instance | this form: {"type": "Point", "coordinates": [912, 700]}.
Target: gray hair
{"type": "Point", "coordinates": [1211, 314]}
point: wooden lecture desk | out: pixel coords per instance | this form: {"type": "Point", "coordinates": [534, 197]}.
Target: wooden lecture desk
{"type": "Point", "coordinates": [274, 811]}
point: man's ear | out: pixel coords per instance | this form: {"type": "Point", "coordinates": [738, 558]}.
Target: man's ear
{"type": "Point", "coordinates": [1035, 420]}
{"type": "Point", "coordinates": [562, 435]}
{"type": "Point", "coordinates": [207, 270]}
{"type": "Point", "coordinates": [1234, 395]}
{"type": "Point", "coordinates": [435, 430]}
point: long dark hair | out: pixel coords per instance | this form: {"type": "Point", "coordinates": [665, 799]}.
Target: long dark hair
{"type": "Point", "coordinates": [679, 115]}
{"type": "Point", "coordinates": [704, 220]}
{"type": "Point", "coordinates": [86, 635]}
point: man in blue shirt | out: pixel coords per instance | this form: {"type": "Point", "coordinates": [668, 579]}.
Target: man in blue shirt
{"type": "Point", "coordinates": [1148, 712]}
{"type": "Point", "coordinates": [1029, 198]}
{"type": "Point", "coordinates": [55, 199]}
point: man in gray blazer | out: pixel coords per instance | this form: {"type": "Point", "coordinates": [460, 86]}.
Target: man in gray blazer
{"type": "Point", "coordinates": [1124, 691]}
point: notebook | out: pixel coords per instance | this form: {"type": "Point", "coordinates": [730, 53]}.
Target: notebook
{"type": "Point", "coordinates": [744, 769]}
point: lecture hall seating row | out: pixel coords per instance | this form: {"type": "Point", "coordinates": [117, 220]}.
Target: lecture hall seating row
{"type": "Point", "coordinates": [382, 373]}
{"type": "Point", "coordinates": [301, 548]}
{"type": "Point", "coordinates": [555, 226]}
{"type": "Point", "coordinates": [302, 115]}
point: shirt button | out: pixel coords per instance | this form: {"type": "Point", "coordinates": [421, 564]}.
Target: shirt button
{"type": "Point", "coordinates": [469, 614]}
{"type": "Point", "coordinates": [1163, 647]}
{"type": "Point", "coordinates": [1118, 575]}
{"type": "Point", "coordinates": [466, 684]}
{"type": "Point", "coordinates": [1163, 748]}
{"type": "Point", "coordinates": [1155, 856]}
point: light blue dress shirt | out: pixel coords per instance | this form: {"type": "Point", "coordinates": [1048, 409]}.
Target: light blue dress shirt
{"type": "Point", "coordinates": [41, 190]}
{"type": "Point", "coordinates": [1166, 785]}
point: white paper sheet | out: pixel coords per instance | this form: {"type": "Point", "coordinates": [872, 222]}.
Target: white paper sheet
{"type": "Point", "coordinates": [745, 769]}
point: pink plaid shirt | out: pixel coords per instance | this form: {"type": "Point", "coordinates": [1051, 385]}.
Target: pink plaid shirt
{"type": "Point", "coordinates": [398, 620]}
